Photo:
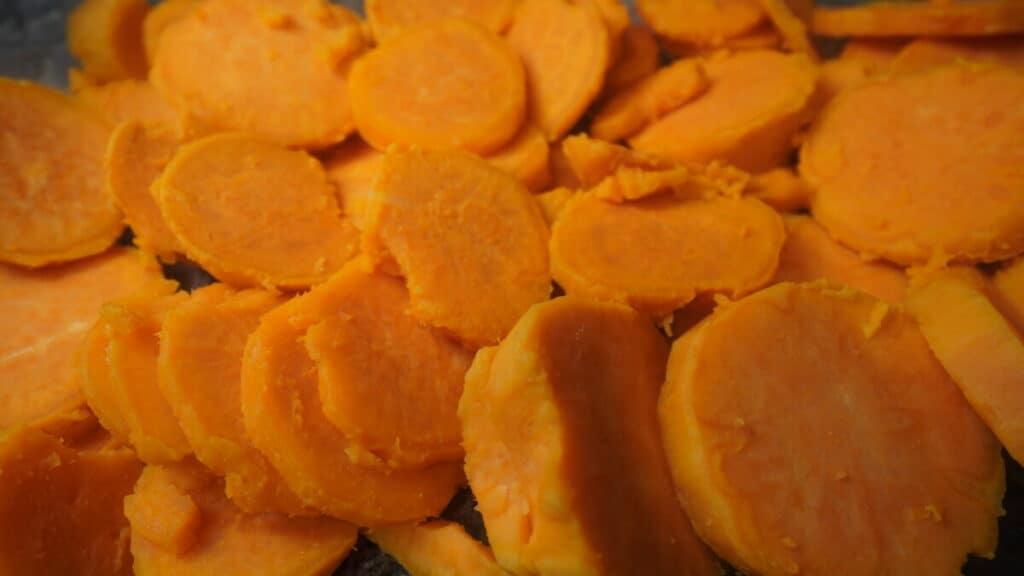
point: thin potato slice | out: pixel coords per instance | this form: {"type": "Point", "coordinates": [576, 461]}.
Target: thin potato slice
{"type": "Point", "coordinates": [97, 387]}
{"type": "Point", "coordinates": [763, 37]}
{"type": "Point", "coordinates": [781, 189]}
{"type": "Point", "coordinates": [527, 157]}
{"type": "Point", "coordinates": [130, 100]}
{"type": "Point", "coordinates": [929, 18]}
{"type": "Point", "coordinates": [926, 53]}
{"type": "Point", "coordinates": [884, 469]}
{"type": "Point", "coordinates": [389, 18]}
{"type": "Point", "coordinates": [436, 547]}
{"type": "Point", "coordinates": [552, 202]}
{"type": "Point", "coordinates": [106, 37]}
{"type": "Point", "coordinates": [353, 167]}
{"type": "Point", "coordinates": [1009, 292]}
{"type": "Point", "coordinates": [638, 59]}
{"type": "Point", "coordinates": [790, 25]}
{"type": "Point", "coordinates": [701, 22]}
{"type": "Point", "coordinates": [158, 19]}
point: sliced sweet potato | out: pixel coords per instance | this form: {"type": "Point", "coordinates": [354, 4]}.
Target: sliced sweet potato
{"type": "Point", "coordinates": [562, 446]}
{"type": "Point", "coordinates": [284, 418]}
{"type": "Point", "coordinates": [390, 384]}
{"type": "Point", "coordinates": [158, 19]}
{"type": "Point", "coordinates": [222, 196]}
{"type": "Point", "coordinates": [136, 156]}
{"type": "Point", "coordinates": [885, 469]}
{"type": "Point", "coordinates": [592, 160]}
{"type": "Point", "coordinates": [389, 18]}
{"type": "Point", "coordinates": [55, 206]}
{"type": "Point", "coordinates": [638, 59]}
{"type": "Point", "coordinates": [929, 18]}
{"type": "Point", "coordinates": [225, 539]}
{"type": "Point", "coordinates": [61, 506]}
{"type": "Point", "coordinates": [200, 368]}
{"type": "Point", "coordinates": [222, 61]}
{"type": "Point", "coordinates": [352, 167]}
{"type": "Point", "coordinates": [841, 74]}
{"type": "Point", "coordinates": [763, 37]}
{"type": "Point", "coordinates": [527, 157]}
{"type": "Point", "coordinates": [809, 254]}
{"type": "Point", "coordinates": [755, 103]}
{"type": "Point", "coordinates": [977, 345]}
{"type": "Point", "coordinates": [650, 99]}
{"type": "Point", "coordinates": [47, 314]}
{"type": "Point", "coordinates": [781, 189]}
{"type": "Point", "coordinates": [97, 386]}
{"type": "Point", "coordinates": [130, 100]}
{"type": "Point", "coordinates": [469, 239]}
{"type": "Point", "coordinates": [437, 547]}
{"type": "Point", "coordinates": [552, 202]}
{"type": "Point", "coordinates": [1009, 292]}
{"type": "Point", "coordinates": [78, 80]}
{"type": "Point", "coordinates": [701, 22]}
{"type": "Point", "coordinates": [616, 19]}
{"type": "Point", "coordinates": [163, 514]}
{"type": "Point", "coordinates": [562, 173]}
{"type": "Point", "coordinates": [658, 253]}
{"type": "Point", "coordinates": [784, 15]}
{"type": "Point", "coordinates": [926, 53]}
{"type": "Point", "coordinates": [877, 51]}
{"type": "Point", "coordinates": [908, 187]}
{"type": "Point", "coordinates": [106, 37]}
{"type": "Point", "coordinates": [566, 49]}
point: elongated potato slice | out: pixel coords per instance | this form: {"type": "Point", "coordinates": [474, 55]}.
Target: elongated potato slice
{"type": "Point", "coordinates": [925, 53]}
{"type": "Point", "coordinates": [701, 22]}
{"type": "Point", "coordinates": [638, 59]}
{"type": "Point", "coordinates": [781, 189]}
{"type": "Point", "coordinates": [1009, 292]}
{"type": "Point", "coordinates": [158, 19]}
{"type": "Point", "coordinates": [389, 18]}
{"type": "Point", "coordinates": [527, 157]}
{"type": "Point", "coordinates": [352, 168]}
{"type": "Point", "coordinates": [130, 100]}
{"type": "Point", "coordinates": [931, 18]}
{"type": "Point", "coordinates": [437, 547]}
{"type": "Point", "coordinates": [106, 37]}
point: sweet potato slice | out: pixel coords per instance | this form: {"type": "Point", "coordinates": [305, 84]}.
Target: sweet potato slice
{"type": "Point", "coordinates": [47, 314]}
{"type": "Point", "coordinates": [200, 369]}
{"type": "Point", "coordinates": [97, 386]}
{"type": "Point", "coordinates": [222, 196]}
{"type": "Point", "coordinates": [781, 189]}
{"type": "Point", "coordinates": [158, 19]}
{"type": "Point", "coordinates": [285, 420]}
{"type": "Point", "coordinates": [979, 348]}
{"type": "Point", "coordinates": [130, 100]}
{"type": "Point", "coordinates": [884, 470]}
{"type": "Point", "coordinates": [763, 37]}
{"type": "Point", "coordinates": [928, 18]}
{"type": "Point", "coordinates": [389, 18]}
{"type": "Point", "coordinates": [469, 239]}
{"type": "Point", "coordinates": [61, 506]}
{"type": "Point", "coordinates": [562, 446]}
{"type": "Point", "coordinates": [437, 547]}
{"type": "Point", "coordinates": [809, 254]}
{"type": "Point", "coordinates": [926, 53]}
{"type": "Point", "coordinates": [106, 37]}
{"type": "Point", "coordinates": [352, 167]}
{"type": "Point", "coordinates": [132, 325]}
{"type": "Point", "coordinates": [755, 103]}
{"type": "Point", "coordinates": [552, 202]}
{"type": "Point", "coordinates": [527, 157]}
{"type": "Point", "coordinates": [638, 59]}
{"type": "Point", "coordinates": [1008, 287]}
{"type": "Point", "coordinates": [227, 540]}
{"type": "Point", "coordinates": [650, 99]}
{"type": "Point", "coordinates": [785, 16]}
{"type": "Point", "coordinates": [390, 384]}
{"type": "Point", "coordinates": [841, 74]}
{"type": "Point", "coordinates": [701, 22]}
{"type": "Point", "coordinates": [616, 19]}
{"type": "Point", "coordinates": [54, 207]}
{"type": "Point", "coordinates": [163, 513]}
{"type": "Point", "coordinates": [878, 51]}
{"type": "Point", "coordinates": [952, 194]}
{"type": "Point", "coordinates": [566, 50]}
{"type": "Point", "coordinates": [224, 61]}
{"type": "Point", "coordinates": [405, 92]}
{"type": "Point", "coordinates": [658, 253]}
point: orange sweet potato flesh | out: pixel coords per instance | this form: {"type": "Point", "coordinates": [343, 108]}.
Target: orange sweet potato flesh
{"type": "Point", "coordinates": [910, 203]}
{"type": "Point", "coordinates": [227, 540]}
{"type": "Point", "coordinates": [841, 74]}
{"type": "Point", "coordinates": [763, 37]}
{"type": "Point", "coordinates": [390, 384]}
{"type": "Point", "coordinates": [638, 59]}
{"type": "Point", "coordinates": [527, 157]}
{"type": "Point", "coordinates": [552, 202]}
{"type": "Point", "coordinates": [926, 53]}
{"type": "Point", "coordinates": [809, 254]}
{"type": "Point", "coordinates": [97, 387]}
{"type": "Point", "coordinates": [650, 99]}
{"type": "Point", "coordinates": [285, 420]}
{"type": "Point", "coordinates": [566, 49]}
{"type": "Point", "coordinates": [221, 62]}
{"type": "Point", "coordinates": [755, 103]}
{"type": "Point", "coordinates": [130, 100]}
{"type": "Point", "coordinates": [389, 18]}
{"type": "Point", "coordinates": [781, 189]}
{"type": "Point", "coordinates": [158, 19]}
{"type": "Point", "coordinates": [885, 470]}
{"type": "Point", "coordinates": [701, 22]}
{"type": "Point", "coordinates": [929, 18]}
{"type": "Point", "coordinates": [785, 16]}
{"type": "Point", "coordinates": [658, 253]}
{"type": "Point", "coordinates": [222, 198]}
{"type": "Point", "coordinates": [616, 19]}
{"type": "Point", "coordinates": [404, 92]}
{"type": "Point", "coordinates": [106, 37]}
{"type": "Point", "coordinates": [977, 345]}
{"type": "Point", "coordinates": [163, 514]}
{"type": "Point", "coordinates": [562, 446]}
{"type": "Point", "coordinates": [436, 547]}
{"type": "Point", "coordinates": [469, 239]}
{"type": "Point", "coordinates": [352, 167]}
{"type": "Point", "coordinates": [55, 207]}
{"type": "Point", "coordinates": [1008, 287]}
{"type": "Point", "coordinates": [877, 51]}
{"type": "Point", "coordinates": [47, 314]}
{"type": "Point", "coordinates": [136, 156]}
{"type": "Point", "coordinates": [61, 506]}
{"type": "Point", "coordinates": [200, 370]}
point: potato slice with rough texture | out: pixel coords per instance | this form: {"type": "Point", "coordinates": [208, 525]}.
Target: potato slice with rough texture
{"type": "Point", "coordinates": [130, 100]}
{"type": "Point", "coordinates": [701, 22]}
{"type": "Point", "coordinates": [353, 167]}
{"type": "Point", "coordinates": [435, 548]}
{"type": "Point", "coordinates": [106, 37]}
{"type": "Point", "coordinates": [389, 18]}
{"type": "Point", "coordinates": [163, 514]}
{"type": "Point", "coordinates": [552, 202]}
{"type": "Point", "coordinates": [527, 157]}
{"type": "Point", "coordinates": [925, 53]}
{"type": "Point", "coordinates": [1009, 292]}
{"type": "Point", "coordinates": [930, 18]}
{"type": "Point", "coordinates": [562, 447]}
{"type": "Point", "coordinates": [226, 540]}
{"type": "Point", "coordinates": [885, 469]}
{"type": "Point", "coordinates": [781, 189]}
{"type": "Point", "coordinates": [638, 59]}
{"type": "Point", "coordinates": [54, 205]}
{"type": "Point", "coordinates": [158, 19]}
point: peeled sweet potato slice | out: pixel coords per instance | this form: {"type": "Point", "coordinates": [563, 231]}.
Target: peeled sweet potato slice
{"type": "Point", "coordinates": [841, 74]}
{"type": "Point", "coordinates": [926, 53]}
{"type": "Point", "coordinates": [1008, 287]}
{"type": "Point", "coordinates": [884, 470]}
{"type": "Point", "coordinates": [469, 239]}
{"type": "Point", "coordinates": [951, 194]}
{"type": "Point", "coordinates": [61, 506]}
{"type": "Point", "coordinates": [781, 189]}
{"type": "Point", "coordinates": [927, 18]}
{"type": "Point", "coordinates": [763, 37]}
{"type": "Point", "coordinates": [106, 37]}
{"type": "Point", "coordinates": [877, 51]}
{"type": "Point", "coordinates": [55, 206]}
{"type": "Point", "coordinates": [566, 49]}
{"type": "Point", "coordinates": [527, 157]}
{"type": "Point", "coordinates": [616, 19]}
{"type": "Point", "coordinates": [130, 100]}
{"type": "Point", "coordinates": [436, 547]}
{"type": "Point", "coordinates": [47, 314]}
{"type": "Point", "coordinates": [755, 103]}
{"type": "Point", "coordinates": [562, 446]}
{"type": "Point", "coordinates": [284, 418]}
{"type": "Point", "coordinates": [658, 253]}
{"type": "Point", "coordinates": [221, 60]}
{"type": "Point", "coordinates": [389, 18]}
{"type": "Point", "coordinates": [226, 540]}
{"type": "Point", "coordinates": [701, 22]}
{"type": "Point", "coordinates": [200, 369]}
{"type": "Point", "coordinates": [163, 514]}
{"type": "Point", "coordinates": [352, 167]}
{"type": "Point", "coordinates": [390, 384]}
{"type": "Point", "coordinates": [552, 202]}
{"type": "Point", "coordinates": [785, 16]}
{"type": "Point", "coordinates": [158, 19]}
{"type": "Point", "coordinates": [97, 387]}
{"type": "Point", "coordinates": [222, 196]}
{"type": "Point", "coordinates": [979, 348]}
{"type": "Point", "coordinates": [638, 59]}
